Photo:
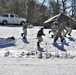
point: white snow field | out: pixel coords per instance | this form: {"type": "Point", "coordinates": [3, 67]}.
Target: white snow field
{"type": "Point", "coordinates": [23, 57]}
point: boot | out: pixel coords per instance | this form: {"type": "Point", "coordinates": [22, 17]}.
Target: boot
{"type": "Point", "coordinates": [55, 39]}
{"type": "Point", "coordinates": [22, 34]}
{"type": "Point", "coordinates": [24, 37]}
{"type": "Point", "coordinates": [52, 36]}
{"type": "Point", "coordinates": [62, 40]}
{"type": "Point", "coordinates": [64, 35]}
{"type": "Point", "coordinates": [69, 34]}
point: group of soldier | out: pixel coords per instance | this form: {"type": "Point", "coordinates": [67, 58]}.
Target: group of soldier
{"type": "Point", "coordinates": [61, 30]}
{"type": "Point", "coordinates": [58, 30]}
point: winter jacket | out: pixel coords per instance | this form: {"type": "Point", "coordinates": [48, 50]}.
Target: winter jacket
{"type": "Point", "coordinates": [40, 33]}
{"type": "Point", "coordinates": [25, 26]}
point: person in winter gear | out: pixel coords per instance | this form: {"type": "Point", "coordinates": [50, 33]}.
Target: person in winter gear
{"type": "Point", "coordinates": [54, 29]}
{"type": "Point", "coordinates": [68, 29]}
{"type": "Point", "coordinates": [59, 33]}
{"type": "Point", "coordinates": [39, 36]}
{"type": "Point", "coordinates": [24, 34]}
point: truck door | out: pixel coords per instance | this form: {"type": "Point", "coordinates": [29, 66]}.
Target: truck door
{"type": "Point", "coordinates": [12, 19]}
{"type": "Point", "coordinates": [18, 21]}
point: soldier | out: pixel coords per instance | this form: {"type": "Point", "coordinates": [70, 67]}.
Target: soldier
{"type": "Point", "coordinates": [39, 37]}
{"type": "Point", "coordinates": [59, 33]}
{"type": "Point", "coordinates": [24, 34]}
{"type": "Point", "coordinates": [54, 29]}
{"type": "Point", "coordinates": [68, 29]}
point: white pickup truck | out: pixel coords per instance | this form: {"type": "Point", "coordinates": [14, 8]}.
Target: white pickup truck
{"type": "Point", "coordinates": [10, 18]}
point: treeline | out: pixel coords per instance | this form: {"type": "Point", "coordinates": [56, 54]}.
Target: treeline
{"type": "Point", "coordinates": [36, 12]}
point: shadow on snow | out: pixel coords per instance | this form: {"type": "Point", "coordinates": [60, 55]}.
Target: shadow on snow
{"type": "Point", "coordinates": [8, 45]}
{"type": "Point", "coordinates": [60, 46]}
{"type": "Point", "coordinates": [71, 39]}
{"type": "Point", "coordinates": [25, 41]}
{"type": "Point", "coordinates": [40, 49]}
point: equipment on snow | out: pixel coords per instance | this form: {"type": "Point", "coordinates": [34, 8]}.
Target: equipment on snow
{"type": "Point", "coordinates": [6, 41]}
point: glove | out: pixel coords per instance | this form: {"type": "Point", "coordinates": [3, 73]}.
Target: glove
{"type": "Point", "coordinates": [44, 35]}
{"type": "Point", "coordinates": [49, 32]}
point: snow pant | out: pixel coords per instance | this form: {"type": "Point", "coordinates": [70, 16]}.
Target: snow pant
{"type": "Point", "coordinates": [68, 31]}
{"type": "Point", "coordinates": [40, 39]}
{"type": "Point", "coordinates": [54, 34]}
{"type": "Point", "coordinates": [63, 33]}
{"type": "Point", "coordinates": [25, 32]}
{"type": "Point", "coordinates": [59, 35]}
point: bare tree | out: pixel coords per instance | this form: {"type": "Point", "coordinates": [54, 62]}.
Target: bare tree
{"type": "Point", "coordinates": [54, 7]}
{"type": "Point", "coordinates": [64, 6]}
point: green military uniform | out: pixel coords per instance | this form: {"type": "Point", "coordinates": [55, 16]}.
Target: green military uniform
{"type": "Point", "coordinates": [61, 27]}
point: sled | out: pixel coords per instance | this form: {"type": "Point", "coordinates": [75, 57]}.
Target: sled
{"type": "Point", "coordinates": [6, 41]}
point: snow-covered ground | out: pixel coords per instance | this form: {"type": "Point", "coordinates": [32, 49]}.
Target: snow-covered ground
{"type": "Point", "coordinates": [22, 58]}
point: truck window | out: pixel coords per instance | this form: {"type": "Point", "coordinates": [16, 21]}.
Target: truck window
{"type": "Point", "coordinates": [5, 15]}
{"type": "Point", "coordinates": [12, 16]}
{"type": "Point", "coordinates": [16, 16]}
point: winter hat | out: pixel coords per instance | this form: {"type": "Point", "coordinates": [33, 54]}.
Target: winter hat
{"type": "Point", "coordinates": [42, 28]}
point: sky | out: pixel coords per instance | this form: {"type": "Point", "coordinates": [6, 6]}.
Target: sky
{"type": "Point", "coordinates": [46, 3]}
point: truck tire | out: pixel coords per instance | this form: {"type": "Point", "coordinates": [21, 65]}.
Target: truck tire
{"type": "Point", "coordinates": [22, 23]}
{"type": "Point", "coordinates": [4, 22]}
